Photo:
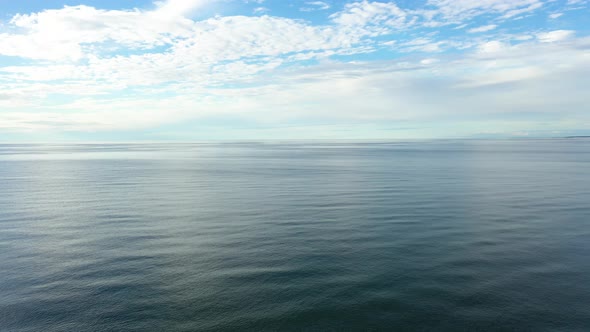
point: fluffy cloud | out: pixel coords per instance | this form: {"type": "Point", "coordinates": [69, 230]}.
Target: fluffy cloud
{"type": "Point", "coordinates": [102, 70]}
{"type": "Point", "coordinates": [458, 10]}
{"type": "Point", "coordinates": [315, 5]}
{"type": "Point", "coordinates": [361, 14]}
{"type": "Point", "coordinates": [177, 9]}
{"type": "Point", "coordinates": [71, 32]}
{"type": "Point", "coordinates": [474, 87]}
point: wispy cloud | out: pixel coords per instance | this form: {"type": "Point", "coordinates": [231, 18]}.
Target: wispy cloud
{"type": "Point", "coordinates": [315, 5]}
{"type": "Point", "coordinates": [484, 28]}
{"type": "Point", "coordinates": [260, 10]}
{"type": "Point", "coordinates": [80, 68]}
{"type": "Point", "coordinates": [555, 36]}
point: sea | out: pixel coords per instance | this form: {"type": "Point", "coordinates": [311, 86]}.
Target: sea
{"type": "Point", "coordinates": [441, 235]}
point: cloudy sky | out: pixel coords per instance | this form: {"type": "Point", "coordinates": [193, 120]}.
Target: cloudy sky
{"type": "Point", "coordinates": [186, 70]}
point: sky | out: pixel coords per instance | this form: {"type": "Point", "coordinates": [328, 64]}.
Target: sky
{"type": "Point", "coordinates": [184, 70]}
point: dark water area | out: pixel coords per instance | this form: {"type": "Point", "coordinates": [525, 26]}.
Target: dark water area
{"type": "Point", "coordinates": [308, 236]}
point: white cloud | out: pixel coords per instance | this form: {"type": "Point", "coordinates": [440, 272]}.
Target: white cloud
{"type": "Point", "coordinates": [82, 32]}
{"type": "Point", "coordinates": [371, 13]}
{"type": "Point", "coordinates": [483, 28]}
{"type": "Point", "coordinates": [178, 8]}
{"type": "Point", "coordinates": [459, 10]}
{"type": "Point", "coordinates": [492, 47]}
{"type": "Point", "coordinates": [555, 15]}
{"type": "Point", "coordinates": [555, 36]}
{"type": "Point", "coordinates": [514, 12]}
{"type": "Point", "coordinates": [231, 38]}
{"type": "Point", "coordinates": [260, 10]}
{"type": "Point", "coordinates": [522, 37]}
{"type": "Point", "coordinates": [315, 5]}
{"type": "Point", "coordinates": [502, 75]}
{"type": "Point", "coordinates": [422, 45]}
{"type": "Point", "coordinates": [107, 63]}
{"type": "Point", "coordinates": [429, 61]}
{"type": "Point", "coordinates": [71, 32]}
{"type": "Point", "coordinates": [517, 79]}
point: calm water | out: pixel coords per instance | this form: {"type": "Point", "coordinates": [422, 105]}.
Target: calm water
{"type": "Point", "coordinates": [447, 235]}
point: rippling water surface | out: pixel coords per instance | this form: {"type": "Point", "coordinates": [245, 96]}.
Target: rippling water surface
{"type": "Point", "coordinates": [444, 235]}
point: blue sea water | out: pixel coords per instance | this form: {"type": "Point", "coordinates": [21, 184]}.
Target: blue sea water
{"type": "Point", "coordinates": [296, 236]}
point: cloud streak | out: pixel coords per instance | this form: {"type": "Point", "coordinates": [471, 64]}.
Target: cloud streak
{"type": "Point", "coordinates": [89, 70]}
